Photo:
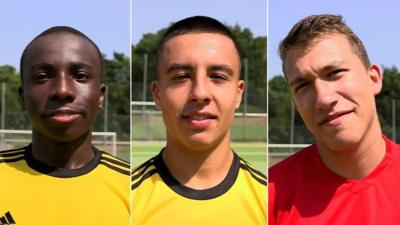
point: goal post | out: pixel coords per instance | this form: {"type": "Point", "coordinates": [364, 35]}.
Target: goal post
{"type": "Point", "coordinates": [106, 141]}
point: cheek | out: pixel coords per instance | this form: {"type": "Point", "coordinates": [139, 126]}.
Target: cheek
{"type": "Point", "coordinates": [171, 103]}
{"type": "Point", "coordinates": [34, 99]}
{"type": "Point", "coordinates": [303, 104]}
{"type": "Point", "coordinates": [89, 96]}
{"type": "Point", "coordinates": [226, 96]}
{"type": "Point", "coordinates": [357, 90]}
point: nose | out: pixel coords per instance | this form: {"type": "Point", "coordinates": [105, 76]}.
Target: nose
{"type": "Point", "coordinates": [200, 90]}
{"type": "Point", "coordinates": [63, 88]}
{"type": "Point", "coordinates": [326, 95]}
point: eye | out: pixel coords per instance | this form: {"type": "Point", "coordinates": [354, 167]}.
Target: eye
{"type": "Point", "coordinates": [336, 73]}
{"type": "Point", "coordinates": [81, 76]}
{"type": "Point", "coordinates": [41, 77]}
{"type": "Point", "coordinates": [219, 77]}
{"type": "Point", "coordinates": [300, 86]}
{"type": "Point", "coordinates": [181, 77]}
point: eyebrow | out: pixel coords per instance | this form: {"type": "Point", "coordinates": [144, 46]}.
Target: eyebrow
{"type": "Point", "coordinates": [77, 65]}
{"type": "Point", "coordinates": [221, 67]}
{"type": "Point", "coordinates": [45, 66]}
{"type": "Point", "coordinates": [297, 80]}
{"type": "Point", "coordinates": [188, 67]}
{"type": "Point", "coordinates": [177, 66]}
{"type": "Point", "coordinates": [332, 65]}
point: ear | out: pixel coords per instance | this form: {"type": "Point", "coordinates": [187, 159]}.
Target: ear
{"type": "Point", "coordinates": [103, 92]}
{"type": "Point", "coordinates": [376, 77]}
{"type": "Point", "coordinates": [21, 99]}
{"type": "Point", "coordinates": [240, 88]}
{"type": "Point", "coordinates": [155, 89]}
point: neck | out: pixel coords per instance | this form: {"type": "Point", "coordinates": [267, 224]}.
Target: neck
{"type": "Point", "coordinates": [198, 168]}
{"type": "Point", "coordinates": [358, 160]}
{"type": "Point", "coordinates": [69, 155]}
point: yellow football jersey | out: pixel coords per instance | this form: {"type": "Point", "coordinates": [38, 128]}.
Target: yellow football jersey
{"type": "Point", "coordinates": [158, 198]}
{"type": "Point", "coordinates": [33, 193]}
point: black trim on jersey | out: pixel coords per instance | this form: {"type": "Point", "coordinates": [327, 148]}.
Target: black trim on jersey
{"type": "Point", "coordinates": [144, 177]}
{"type": "Point", "coordinates": [251, 169]}
{"type": "Point", "coordinates": [11, 154]}
{"type": "Point", "coordinates": [12, 159]}
{"type": "Point", "coordinates": [61, 172]}
{"type": "Point", "coordinates": [12, 150]}
{"type": "Point", "coordinates": [115, 160]}
{"type": "Point", "coordinates": [195, 194]}
{"type": "Point", "coordinates": [105, 163]}
{"type": "Point", "coordinates": [145, 165]}
{"type": "Point", "coordinates": [252, 173]}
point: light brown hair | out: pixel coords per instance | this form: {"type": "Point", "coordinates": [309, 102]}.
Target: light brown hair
{"type": "Point", "coordinates": [308, 29]}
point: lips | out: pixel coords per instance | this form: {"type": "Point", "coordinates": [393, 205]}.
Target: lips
{"type": "Point", "coordinates": [63, 115]}
{"type": "Point", "coordinates": [199, 119]}
{"type": "Point", "coordinates": [334, 118]}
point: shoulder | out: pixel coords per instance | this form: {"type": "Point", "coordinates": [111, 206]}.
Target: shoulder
{"type": "Point", "coordinates": [256, 175]}
{"type": "Point", "coordinates": [292, 171]}
{"type": "Point", "coordinates": [114, 163]}
{"type": "Point", "coordinates": [143, 172]}
{"type": "Point", "coordinates": [293, 163]}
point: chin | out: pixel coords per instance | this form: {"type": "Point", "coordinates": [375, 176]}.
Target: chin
{"type": "Point", "coordinates": [199, 142]}
{"type": "Point", "coordinates": [341, 142]}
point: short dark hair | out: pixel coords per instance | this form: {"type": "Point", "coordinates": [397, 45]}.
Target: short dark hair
{"type": "Point", "coordinates": [195, 24]}
{"type": "Point", "coordinates": [304, 32]}
{"type": "Point", "coordinates": [60, 29]}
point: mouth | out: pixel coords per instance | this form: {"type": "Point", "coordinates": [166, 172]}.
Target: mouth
{"type": "Point", "coordinates": [334, 119]}
{"type": "Point", "coordinates": [63, 116]}
{"type": "Point", "coordinates": [199, 120]}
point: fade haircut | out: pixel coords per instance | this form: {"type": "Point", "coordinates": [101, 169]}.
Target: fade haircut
{"type": "Point", "coordinates": [195, 24]}
{"type": "Point", "coordinates": [56, 30]}
{"type": "Point", "coordinates": [306, 31]}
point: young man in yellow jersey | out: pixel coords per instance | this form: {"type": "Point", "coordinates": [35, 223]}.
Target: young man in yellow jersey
{"type": "Point", "coordinates": [61, 178]}
{"type": "Point", "coordinates": [197, 178]}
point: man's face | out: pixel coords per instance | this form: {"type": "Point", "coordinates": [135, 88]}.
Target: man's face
{"type": "Point", "coordinates": [61, 90]}
{"type": "Point", "coordinates": [333, 91]}
{"type": "Point", "coordinates": [198, 88]}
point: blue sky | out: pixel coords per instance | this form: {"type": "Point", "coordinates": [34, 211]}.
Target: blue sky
{"type": "Point", "coordinates": [149, 16]}
{"type": "Point", "coordinates": [377, 23]}
{"type": "Point", "coordinates": [106, 22]}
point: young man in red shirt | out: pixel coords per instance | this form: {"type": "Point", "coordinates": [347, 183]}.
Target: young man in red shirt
{"type": "Point", "coordinates": [349, 175]}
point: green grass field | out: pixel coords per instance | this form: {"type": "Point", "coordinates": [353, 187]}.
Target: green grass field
{"type": "Point", "coordinates": [254, 153]}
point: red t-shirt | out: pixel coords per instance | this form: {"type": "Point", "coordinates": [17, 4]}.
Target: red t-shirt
{"type": "Point", "coordinates": [302, 190]}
